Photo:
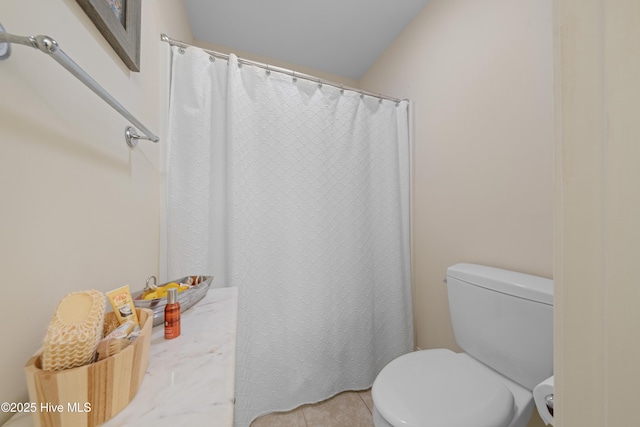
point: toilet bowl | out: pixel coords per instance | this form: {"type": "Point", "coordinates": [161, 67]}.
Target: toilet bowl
{"type": "Point", "coordinates": [446, 389]}
{"type": "Point", "coordinates": [503, 321]}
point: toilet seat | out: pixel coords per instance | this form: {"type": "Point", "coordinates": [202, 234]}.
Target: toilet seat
{"type": "Point", "coordinates": [440, 388]}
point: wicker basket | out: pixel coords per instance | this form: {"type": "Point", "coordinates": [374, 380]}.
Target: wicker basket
{"type": "Point", "coordinates": [89, 395]}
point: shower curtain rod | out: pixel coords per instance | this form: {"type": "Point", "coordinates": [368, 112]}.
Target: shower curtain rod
{"type": "Point", "coordinates": [269, 68]}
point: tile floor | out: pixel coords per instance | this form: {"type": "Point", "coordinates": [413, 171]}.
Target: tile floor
{"type": "Point", "coordinates": [348, 409]}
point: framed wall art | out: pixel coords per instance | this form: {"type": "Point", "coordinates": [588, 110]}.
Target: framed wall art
{"type": "Point", "coordinates": [119, 23]}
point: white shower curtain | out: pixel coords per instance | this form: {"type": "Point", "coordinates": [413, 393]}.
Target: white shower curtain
{"type": "Point", "coordinates": [297, 194]}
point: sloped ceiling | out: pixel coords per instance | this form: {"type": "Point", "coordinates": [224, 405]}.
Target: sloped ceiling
{"type": "Point", "coordinates": [343, 37]}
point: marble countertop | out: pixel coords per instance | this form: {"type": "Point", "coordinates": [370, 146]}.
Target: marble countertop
{"type": "Point", "coordinates": [190, 379]}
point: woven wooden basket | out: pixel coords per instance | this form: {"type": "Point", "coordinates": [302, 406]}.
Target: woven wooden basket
{"type": "Point", "coordinates": [89, 395]}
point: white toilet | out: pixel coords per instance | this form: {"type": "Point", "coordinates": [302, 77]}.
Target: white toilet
{"type": "Point", "coordinates": [503, 320]}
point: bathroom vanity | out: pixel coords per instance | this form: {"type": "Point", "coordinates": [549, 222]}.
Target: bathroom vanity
{"type": "Point", "coordinates": [190, 379]}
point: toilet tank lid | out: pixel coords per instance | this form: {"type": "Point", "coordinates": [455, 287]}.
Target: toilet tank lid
{"type": "Point", "coordinates": [520, 285]}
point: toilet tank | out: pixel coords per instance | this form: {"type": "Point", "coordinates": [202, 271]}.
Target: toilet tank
{"type": "Point", "coordinates": [503, 319]}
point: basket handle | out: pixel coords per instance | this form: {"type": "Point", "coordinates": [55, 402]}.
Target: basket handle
{"type": "Point", "coordinates": [149, 286]}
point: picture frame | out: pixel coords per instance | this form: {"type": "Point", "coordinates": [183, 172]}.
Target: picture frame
{"type": "Point", "coordinates": [119, 23]}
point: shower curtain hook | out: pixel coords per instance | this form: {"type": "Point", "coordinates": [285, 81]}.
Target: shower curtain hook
{"type": "Point", "coordinates": [341, 89]}
{"type": "Point", "coordinates": [295, 79]}
{"type": "Point", "coordinates": [268, 70]}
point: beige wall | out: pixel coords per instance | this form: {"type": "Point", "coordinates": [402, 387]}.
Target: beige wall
{"type": "Point", "coordinates": [597, 214]}
{"type": "Point", "coordinates": [480, 76]}
{"type": "Point", "coordinates": [79, 209]}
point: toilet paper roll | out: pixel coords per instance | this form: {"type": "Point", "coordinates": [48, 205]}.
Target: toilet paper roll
{"type": "Point", "coordinates": [540, 392]}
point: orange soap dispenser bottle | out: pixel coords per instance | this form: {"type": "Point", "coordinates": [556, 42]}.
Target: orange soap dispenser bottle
{"type": "Point", "coordinates": [172, 315]}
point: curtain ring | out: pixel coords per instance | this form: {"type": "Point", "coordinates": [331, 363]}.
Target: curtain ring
{"type": "Point", "coordinates": [362, 94]}
{"type": "Point", "coordinates": [212, 58]}
{"type": "Point", "coordinates": [319, 84]}
{"type": "Point", "coordinates": [268, 70]}
{"type": "Point", "coordinates": [341, 89]}
{"type": "Point", "coordinates": [182, 50]}
{"type": "Point", "coordinates": [295, 79]}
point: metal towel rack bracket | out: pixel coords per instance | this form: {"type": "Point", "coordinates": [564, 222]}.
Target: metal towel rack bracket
{"type": "Point", "coordinates": [49, 46]}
